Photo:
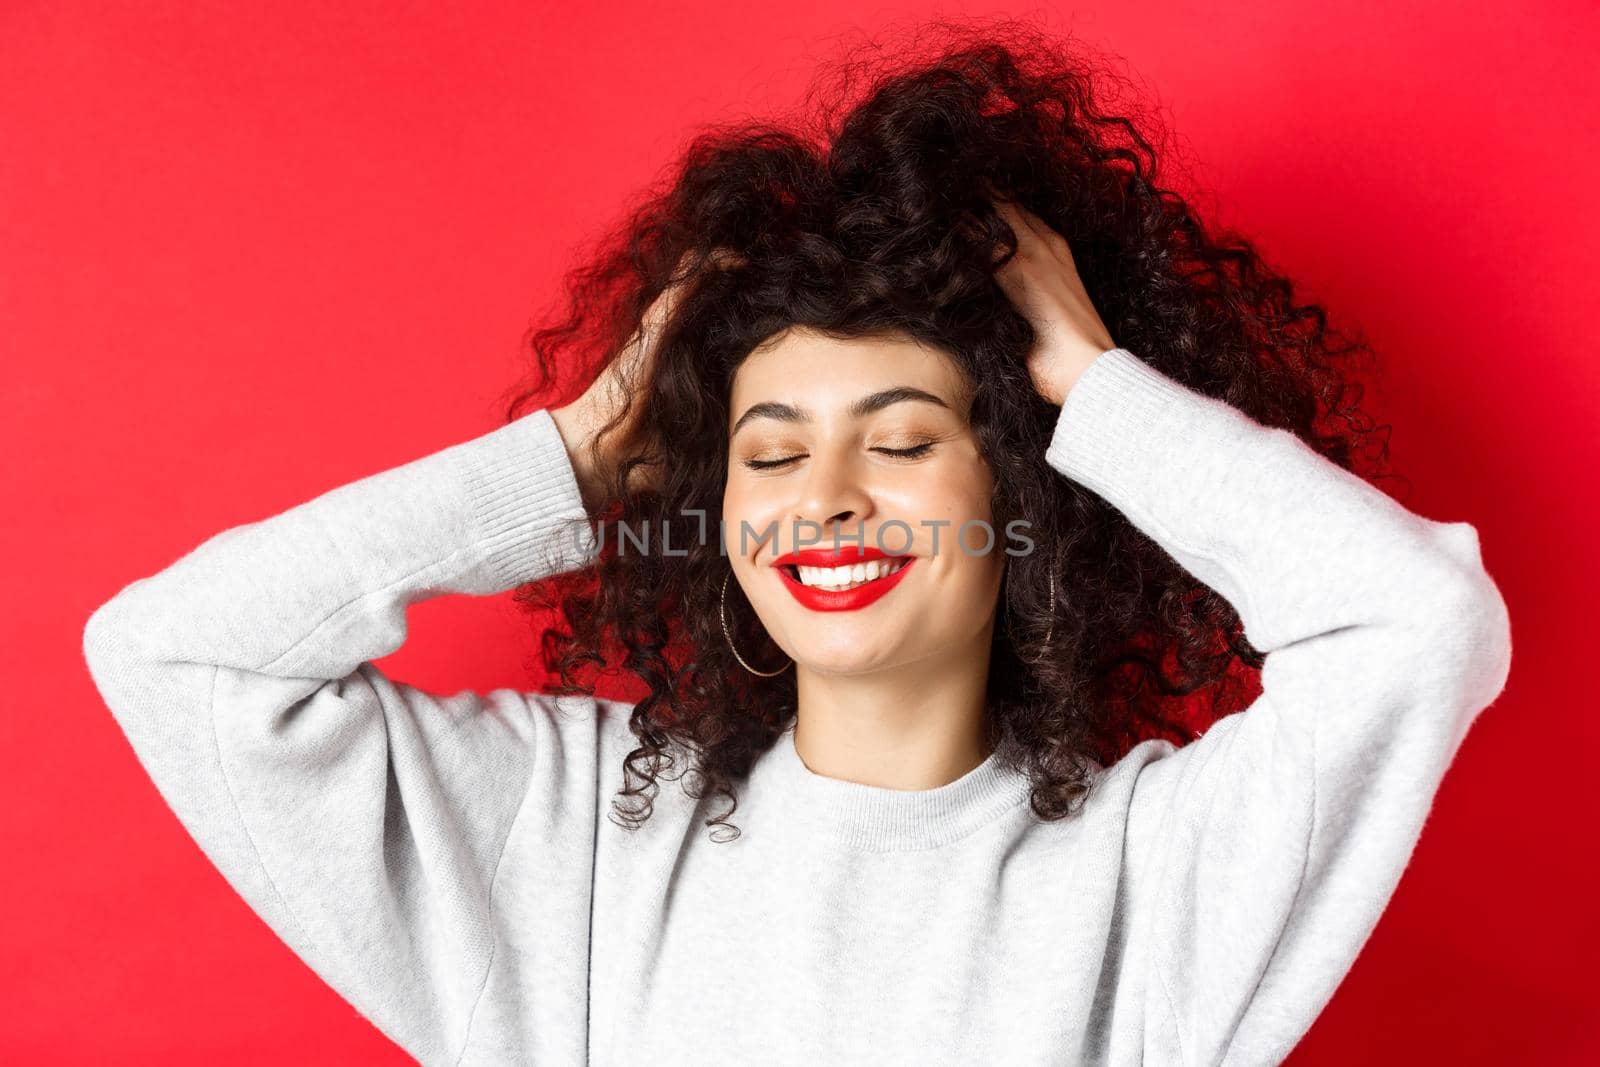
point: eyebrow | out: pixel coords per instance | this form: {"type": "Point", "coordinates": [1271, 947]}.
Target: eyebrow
{"type": "Point", "coordinates": [899, 394]}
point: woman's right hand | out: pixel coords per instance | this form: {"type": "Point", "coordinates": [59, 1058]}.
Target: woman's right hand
{"type": "Point", "coordinates": [581, 421]}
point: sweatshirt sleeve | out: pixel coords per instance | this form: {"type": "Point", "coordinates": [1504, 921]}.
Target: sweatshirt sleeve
{"type": "Point", "coordinates": [360, 817]}
{"type": "Point", "coordinates": [1260, 856]}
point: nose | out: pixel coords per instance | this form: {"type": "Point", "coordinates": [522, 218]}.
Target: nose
{"type": "Point", "coordinates": [832, 495]}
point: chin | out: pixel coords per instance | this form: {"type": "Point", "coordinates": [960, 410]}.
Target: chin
{"type": "Point", "coordinates": [854, 657]}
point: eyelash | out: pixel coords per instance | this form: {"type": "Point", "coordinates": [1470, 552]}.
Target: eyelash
{"type": "Point", "coordinates": [899, 453]}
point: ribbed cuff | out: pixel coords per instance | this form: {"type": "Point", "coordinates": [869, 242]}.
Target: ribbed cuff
{"type": "Point", "coordinates": [528, 517]}
{"type": "Point", "coordinates": [1120, 412]}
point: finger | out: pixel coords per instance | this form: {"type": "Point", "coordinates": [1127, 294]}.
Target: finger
{"type": "Point", "coordinates": [681, 269]}
{"type": "Point", "coordinates": [1048, 234]}
{"type": "Point", "coordinates": [1037, 226]}
{"type": "Point", "coordinates": [727, 257]}
{"type": "Point", "coordinates": [1047, 237]}
{"type": "Point", "coordinates": [1025, 234]}
{"type": "Point", "coordinates": [1017, 213]}
{"type": "Point", "coordinates": [1007, 209]}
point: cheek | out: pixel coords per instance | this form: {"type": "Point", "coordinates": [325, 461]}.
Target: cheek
{"type": "Point", "coordinates": [739, 499]}
{"type": "Point", "coordinates": [955, 496]}
{"type": "Point", "coordinates": [745, 505]}
{"type": "Point", "coordinates": [963, 501]}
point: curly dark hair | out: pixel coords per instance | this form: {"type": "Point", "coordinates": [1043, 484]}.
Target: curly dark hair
{"type": "Point", "coordinates": [870, 213]}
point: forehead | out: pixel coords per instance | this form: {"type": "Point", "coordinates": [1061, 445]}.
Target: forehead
{"type": "Point", "coordinates": [825, 374]}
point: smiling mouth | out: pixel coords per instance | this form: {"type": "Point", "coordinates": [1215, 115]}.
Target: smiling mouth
{"type": "Point", "coordinates": [839, 579]}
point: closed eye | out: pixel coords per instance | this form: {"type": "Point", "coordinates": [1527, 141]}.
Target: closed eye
{"type": "Point", "coordinates": [768, 464]}
{"type": "Point", "coordinates": [907, 453]}
{"type": "Point", "coordinates": [899, 453]}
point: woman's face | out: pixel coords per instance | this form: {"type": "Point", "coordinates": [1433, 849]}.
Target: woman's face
{"type": "Point", "coordinates": [865, 436]}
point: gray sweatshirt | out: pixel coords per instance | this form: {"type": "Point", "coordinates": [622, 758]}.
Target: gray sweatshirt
{"type": "Point", "coordinates": [446, 864]}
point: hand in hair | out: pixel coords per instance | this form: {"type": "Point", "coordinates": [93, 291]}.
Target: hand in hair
{"type": "Point", "coordinates": [1042, 283]}
{"type": "Point", "coordinates": [586, 424]}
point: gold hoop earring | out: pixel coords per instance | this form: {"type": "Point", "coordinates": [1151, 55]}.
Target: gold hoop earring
{"type": "Point", "coordinates": [1051, 632]}
{"type": "Point", "coordinates": [1048, 634]}
{"type": "Point", "coordinates": [722, 617]}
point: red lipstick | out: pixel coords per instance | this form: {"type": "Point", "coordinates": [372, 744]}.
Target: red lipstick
{"type": "Point", "coordinates": [818, 599]}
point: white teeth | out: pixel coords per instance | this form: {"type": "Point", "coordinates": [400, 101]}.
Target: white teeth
{"type": "Point", "coordinates": [837, 578]}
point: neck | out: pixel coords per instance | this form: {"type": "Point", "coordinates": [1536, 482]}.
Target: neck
{"type": "Point", "coordinates": [917, 725]}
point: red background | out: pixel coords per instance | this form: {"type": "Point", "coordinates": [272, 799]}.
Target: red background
{"type": "Point", "coordinates": [248, 257]}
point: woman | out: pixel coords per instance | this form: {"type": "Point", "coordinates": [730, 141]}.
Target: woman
{"type": "Point", "coordinates": [972, 821]}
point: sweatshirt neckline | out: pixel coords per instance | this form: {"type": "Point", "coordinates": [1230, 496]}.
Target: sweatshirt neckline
{"type": "Point", "coordinates": [880, 819]}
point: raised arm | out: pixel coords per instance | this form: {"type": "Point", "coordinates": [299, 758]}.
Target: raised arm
{"type": "Point", "coordinates": [1259, 858]}
{"type": "Point", "coordinates": [360, 817]}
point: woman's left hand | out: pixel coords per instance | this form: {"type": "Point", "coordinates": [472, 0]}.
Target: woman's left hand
{"type": "Point", "coordinates": [1042, 282]}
